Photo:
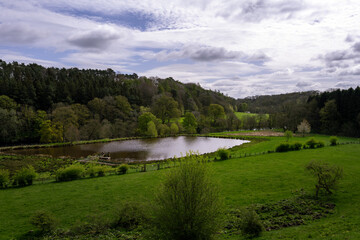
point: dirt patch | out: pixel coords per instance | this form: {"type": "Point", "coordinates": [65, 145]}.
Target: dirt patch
{"type": "Point", "coordinates": [259, 133]}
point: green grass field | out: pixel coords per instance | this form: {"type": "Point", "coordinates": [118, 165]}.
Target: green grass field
{"type": "Point", "coordinates": [243, 181]}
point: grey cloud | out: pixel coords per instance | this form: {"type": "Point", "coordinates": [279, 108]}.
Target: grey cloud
{"type": "Point", "coordinates": [355, 71]}
{"type": "Point", "coordinates": [95, 39]}
{"type": "Point", "coordinates": [303, 84]}
{"type": "Point", "coordinates": [258, 10]}
{"type": "Point", "coordinates": [260, 56]}
{"type": "Point", "coordinates": [20, 34]}
{"type": "Point", "coordinates": [345, 84]}
{"type": "Point", "coordinates": [356, 47]}
{"type": "Point", "coordinates": [214, 53]}
{"type": "Point", "coordinates": [349, 38]}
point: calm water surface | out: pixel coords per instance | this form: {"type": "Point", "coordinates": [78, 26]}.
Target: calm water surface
{"type": "Point", "coordinates": [140, 149]}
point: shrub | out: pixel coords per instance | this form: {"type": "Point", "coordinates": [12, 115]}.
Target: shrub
{"type": "Point", "coordinates": [327, 175]}
{"type": "Point", "coordinates": [44, 221]}
{"type": "Point", "coordinates": [296, 146]}
{"type": "Point", "coordinates": [250, 224]}
{"type": "Point", "coordinates": [333, 141]}
{"type": "Point", "coordinates": [69, 173]}
{"type": "Point", "coordinates": [312, 143]}
{"type": "Point", "coordinates": [223, 154]}
{"type": "Point", "coordinates": [25, 176]}
{"type": "Point", "coordinates": [122, 169]}
{"type": "Point", "coordinates": [4, 178]}
{"type": "Point", "coordinates": [131, 215]}
{"type": "Point", "coordinates": [188, 204]}
{"type": "Point", "coordinates": [97, 170]}
{"type": "Point", "coordinates": [283, 147]}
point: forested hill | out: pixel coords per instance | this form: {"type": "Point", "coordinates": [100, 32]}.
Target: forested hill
{"type": "Point", "coordinates": [41, 87]}
{"type": "Point", "coordinates": [39, 104]}
{"type": "Point", "coordinates": [273, 103]}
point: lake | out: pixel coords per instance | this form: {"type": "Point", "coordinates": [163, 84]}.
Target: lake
{"type": "Point", "coordinates": [139, 149]}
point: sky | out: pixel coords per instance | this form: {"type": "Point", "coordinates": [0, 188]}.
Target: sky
{"type": "Point", "coordinates": [239, 47]}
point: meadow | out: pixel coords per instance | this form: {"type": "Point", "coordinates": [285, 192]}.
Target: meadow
{"type": "Point", "coordinates": [244, 181]}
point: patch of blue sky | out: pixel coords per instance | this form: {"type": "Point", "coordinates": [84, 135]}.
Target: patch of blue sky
{"type": "Point", "coordinates": [131, 19]}
{"type": "Point", "coordinates": [36, 53]}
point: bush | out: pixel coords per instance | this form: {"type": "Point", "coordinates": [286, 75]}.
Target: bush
{"type": "Point", "coordinates": [69, 173]}
{"type": "Point", "coordinates": [327, 175]}
{"type": "Point", "coordinates": [25, 176]}
{"type": "Point", "coordinates": [296, 146]}
{"type": "Point", "coordinates": [131, 215]}
{"type": "Point", "coordinates": [312, 143]}
{"type": "Point", "coordinates": [283, 147]}
{"type": "Point", "coordinates": [333, 141]}
{"type": "Point", "coordinates": [4, 178]}
{"type": "Point", "coordinates": [188, 204]}
{"type": "Point", "coordinates": [97, 170]}
{"type": "Point", "coordinates": [44, 221]}
{"type": "Point", "coordinates": [122, 169]}
{"type": "Point", "coordinates": [250, 224]}
{"type": "Point", "coordinates": [223, 154]}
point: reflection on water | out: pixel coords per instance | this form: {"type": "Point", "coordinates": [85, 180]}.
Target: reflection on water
{"type": "Point", "coordinates": [140, 149]}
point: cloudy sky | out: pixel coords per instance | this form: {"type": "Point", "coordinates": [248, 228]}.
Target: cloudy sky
{"type": "Point", "coordinates": [239, 47]}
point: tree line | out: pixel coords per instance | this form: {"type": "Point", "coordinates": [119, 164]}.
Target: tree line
{"type": "Point", "coordinates": [334, 112]}
{"type": "Point", "coordinates": [39, 104]}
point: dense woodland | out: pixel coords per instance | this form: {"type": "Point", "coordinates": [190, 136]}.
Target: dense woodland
{"type": "Point", "coordinates": [39, 104]}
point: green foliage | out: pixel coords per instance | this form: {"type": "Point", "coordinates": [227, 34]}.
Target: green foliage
{"type": "Point", "coordinates": [122, 169]}
{"type": "Point", "coordinates": [151, 129]}
{"type": "Point", "coordinates": [50, 132]}
{"type": "Point", "coordinates": [215, 112]}
{"type": "Point", "coordinates": [143, 121]}
{"type": "Point", "coordinates": [327, 175]}
{"type": "Point", "coordinates": [189, 123]}
{"type": "Point", "coordinates": [288, 135]}
{"type": "Point", "coordinates": [132, 214]}
{"type": "Point", "coordinates": [283, 147]}
{"type": "Point", "coordinates": [24, 176]}
{"type": "Point", "coordinates": [97, 170]}
{"type": "Point", "coordinates": [4, 178]}
{"type": "Point", "coordinates": [174, 129]}
{"type": "Point", "coordinates": [163, 130]}
{"type": "Point", "coordinates": [72, 172]}
{"type": "Point", "coordinates": [165, 107]}
{"type": "Point", "coordinates": [312, 143]}
{"type": "Point", "coordinates": [296, 146]}
{"type": "Point", "coordinates": [223, 153]}
{"type": "Point", "coordinates": [7, 103]}
{"type": "Point", "coordinates": [44, 221]}
{"type": "Point", "coordinates": [250, 224]}
{"type": "Point", "coordinates": [188, 204]}
{"type": "Point", "coordinates": [334, 141]}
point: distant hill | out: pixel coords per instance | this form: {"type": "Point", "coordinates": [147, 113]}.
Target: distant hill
{"type": "Point", "coordinates": [273, 103]}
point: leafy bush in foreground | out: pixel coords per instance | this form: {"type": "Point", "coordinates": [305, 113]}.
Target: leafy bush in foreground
{"type": "Point", "coordinates": [250, 224]}
{"type": "Point", "coordinates": [69, 173]}
{"type": "Point", "coordinates": [327, 175]}
{"type": "Point", "coordinates": [283, 147]}
{"type": "Point", "coordinates": [44, 221]}
{"type": "Point", "coordinates": [97, 170]}
{"type": "Point", "coordinates": [25, 176]}
{"type": "Point", "coordinates": [188, 204]}
{"type": "Point", "coordinates": [4, 178]}
{"type": "Point", "coordinates": [131, 214]}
